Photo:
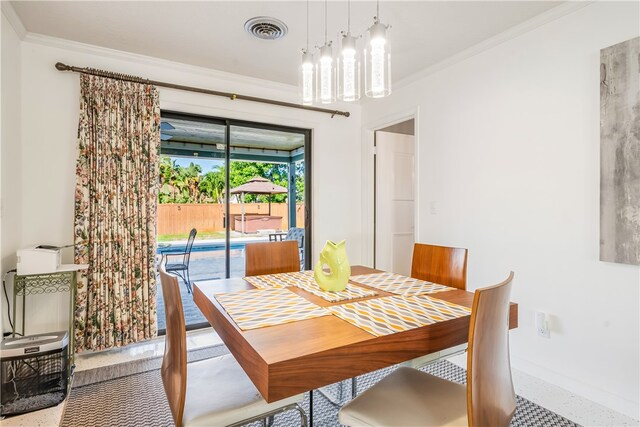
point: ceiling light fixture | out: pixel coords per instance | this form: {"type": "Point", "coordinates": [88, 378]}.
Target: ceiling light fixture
{"type": "Point", "coordinates": [325, 70]}
{"type": "Point", "coordinates": [348, 64]}
{"type": "Point", "coordinates": [305, 74]}
{"type": "Point", "coordinates": [342, 75]}
{"type": "Point", "coordinates": [377, 66]}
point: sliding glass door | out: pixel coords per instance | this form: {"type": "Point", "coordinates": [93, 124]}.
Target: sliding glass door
{"type": "Point", "coordinates": [267, 187]}
{"type": "Point", "coordinates": [235, 182]}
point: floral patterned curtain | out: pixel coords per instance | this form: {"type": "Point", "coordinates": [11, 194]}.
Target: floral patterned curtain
{"type": "Point", "coordinates": [115, 212]}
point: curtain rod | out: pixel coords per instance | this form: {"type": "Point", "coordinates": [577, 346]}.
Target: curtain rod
{"type": "Point", "coordinates": [232, 96]}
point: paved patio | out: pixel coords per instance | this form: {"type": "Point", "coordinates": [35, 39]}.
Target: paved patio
{"type": "Point", "coordinates": [203, 266]}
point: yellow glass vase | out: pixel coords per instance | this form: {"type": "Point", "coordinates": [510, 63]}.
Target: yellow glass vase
{"type": "Point", "coordinates": [334, 256]}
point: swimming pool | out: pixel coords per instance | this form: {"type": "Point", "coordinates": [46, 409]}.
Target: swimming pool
{"type": "Point", "coordinates": [203, 247]}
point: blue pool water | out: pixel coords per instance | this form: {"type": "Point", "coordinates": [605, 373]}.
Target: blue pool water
{"type": "Point", "coordinates": [200, 247]}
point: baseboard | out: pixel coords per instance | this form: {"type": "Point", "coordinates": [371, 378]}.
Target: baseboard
{"type": "Point", "coordinates": [578, 390]}
{"type": "Point", "coordinates": [554, 392]}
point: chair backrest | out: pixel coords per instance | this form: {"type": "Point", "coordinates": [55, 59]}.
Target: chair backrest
{"type": "Point", "coordinates": [440, 264]}
{"type": "Point", "coordinates": [174, 361]}
{"type": "Point", "coordinates": [187, 250]}
{"type": "Point", "coordinates": [491, 400]}
{"type": "Point", "coordinates": [296, 233]}
{"type": "Point", "coordinates": [271, 258]}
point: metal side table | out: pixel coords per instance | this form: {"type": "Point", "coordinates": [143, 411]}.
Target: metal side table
{"type": "Point", "coordinates": [33, 284]}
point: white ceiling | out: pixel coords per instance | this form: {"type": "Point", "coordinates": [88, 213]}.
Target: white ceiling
{"type": "Point", "coordinates": [211, 34]}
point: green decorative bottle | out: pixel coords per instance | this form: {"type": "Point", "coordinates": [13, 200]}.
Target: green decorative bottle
{"type": "Point", "coordinates": [333, 255]}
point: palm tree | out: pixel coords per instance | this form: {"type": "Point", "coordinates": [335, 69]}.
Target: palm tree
{"type": "Point", "coordinates": [212, 185]}
{"type": "Point", "coordinates": [168, 177]}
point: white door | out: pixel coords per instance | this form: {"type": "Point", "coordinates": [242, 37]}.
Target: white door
{"type": "Point", "coordinates": [394, 202]}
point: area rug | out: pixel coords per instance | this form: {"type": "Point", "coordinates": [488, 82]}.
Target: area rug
{"type": "Point", "coordinates": [138, 399]}
{"type": "Point", "coordinates": [112, 372]}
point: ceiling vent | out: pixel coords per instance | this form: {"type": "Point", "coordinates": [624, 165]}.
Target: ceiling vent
{"type": "Point", "coordinates": [266, 28]}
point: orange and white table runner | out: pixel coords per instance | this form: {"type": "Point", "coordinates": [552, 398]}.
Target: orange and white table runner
{"type": "Point", "coordinates": [258, 308]}
{"type": "Point", "coordinates": [399, 284]}
{"type": "Point", "coordinates": [388, 315]}
{"type": "Point", "coordinates": [269, 281]}
{"type": "Point", "coordinates": [305, 280]}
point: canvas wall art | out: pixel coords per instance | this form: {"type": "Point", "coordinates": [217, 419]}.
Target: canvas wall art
{"type": "Point", "coordinates": [620, 153]}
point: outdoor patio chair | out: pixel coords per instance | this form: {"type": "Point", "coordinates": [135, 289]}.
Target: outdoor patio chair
{"type": "Point", "coordinates": [294, 233]}
{"type": "Point", "coordinates": [182, 268]}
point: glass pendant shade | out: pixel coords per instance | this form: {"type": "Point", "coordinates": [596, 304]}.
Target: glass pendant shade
{"type": "Point", "coordinates": [325, 76]}
{"type": "Point", "coordinates": [377, 66]}
{"type": "Point", "coordinates": [306, 82]}
{"type": "Point", "coordinates": [348, 70]}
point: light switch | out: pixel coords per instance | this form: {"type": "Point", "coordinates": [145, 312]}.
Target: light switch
{"type": "Point", "coordinates": [433, 207]}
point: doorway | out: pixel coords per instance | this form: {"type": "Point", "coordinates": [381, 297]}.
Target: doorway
{"type": "Point", "coordinates": [394, 197]}
{"type": "Point", "coordinates": [207, 168]}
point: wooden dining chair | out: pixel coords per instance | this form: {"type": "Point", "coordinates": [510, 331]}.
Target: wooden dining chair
{"type": "Point", "coordinates": [409, 397]}
{"type": "Point", "coordinates": [210, 392]}
{"type": "Point", "coordinates": [440, 264]}
{"type": "Point", "coordinates": [271, 258]}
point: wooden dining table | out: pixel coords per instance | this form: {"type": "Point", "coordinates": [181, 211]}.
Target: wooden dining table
{"type": "Point", "coordinates": [292, 358]}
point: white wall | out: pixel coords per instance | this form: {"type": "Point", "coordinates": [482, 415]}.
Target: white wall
{"type": "Point", "coordinates": [10, 217]}
{"type": "Point", "coordinates": [45, 174]}
{"type": "Point", "coordinates": [508, 149]}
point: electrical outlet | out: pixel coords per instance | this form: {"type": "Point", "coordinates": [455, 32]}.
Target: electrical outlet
{"type": "Point", "coordinates": [542, 326]}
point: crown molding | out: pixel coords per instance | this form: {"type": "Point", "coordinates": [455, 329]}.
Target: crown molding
{"type": "Point", "coordinates": [10, 13]}
{"type": "Point", "coordinates": [291, 91]}
{"type": "Point", "coordinates": [510, 34]}
{"type": "Point", "coordinates": [136, 58]}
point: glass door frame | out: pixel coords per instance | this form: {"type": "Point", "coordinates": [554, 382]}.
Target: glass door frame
{"type": "Point", "coordinates": [307, 133]}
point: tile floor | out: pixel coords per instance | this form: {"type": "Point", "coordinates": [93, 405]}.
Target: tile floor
{"type": "Point", "coordinates": [561, 401]}
{"type": "Point", "coordinates": [568, 405]}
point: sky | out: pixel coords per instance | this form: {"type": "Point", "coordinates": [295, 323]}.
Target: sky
{"type": "Point", "coordinates": [207, 164]}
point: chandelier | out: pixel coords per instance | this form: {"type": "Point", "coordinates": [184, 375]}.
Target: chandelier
{"type": "Point", "coordinates": [328, 78]}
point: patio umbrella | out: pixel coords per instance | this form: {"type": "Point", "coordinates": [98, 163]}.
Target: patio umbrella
{"type": "Point", "coordinates": [257, 185]}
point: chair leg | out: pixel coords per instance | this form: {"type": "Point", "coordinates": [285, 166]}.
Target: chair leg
{"type": "Point", "coordinates": [303, 416]}
{"type": "Point", "coordinates": [354, 387]}
{"type": "Point", "coordinates": [188, 282]}
{"type": "Point", "coordinates": [338, 400]}
{"type": "Point", "coordinates": [184, 278]}
{"type": "Point", "coordinates": [268, 417]}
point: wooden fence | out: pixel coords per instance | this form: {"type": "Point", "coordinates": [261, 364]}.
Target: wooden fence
{"type": "Point", "coordinates": [181, 218]}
